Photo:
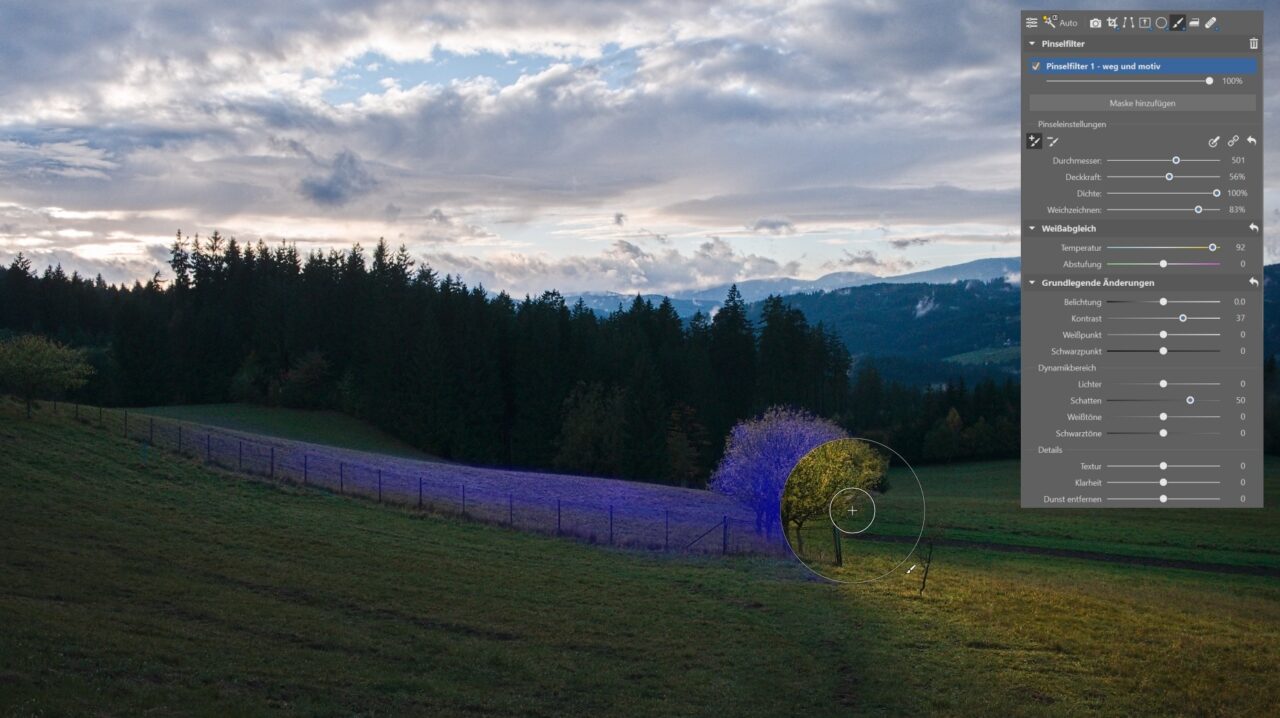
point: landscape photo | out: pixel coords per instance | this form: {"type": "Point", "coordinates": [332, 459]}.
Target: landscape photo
{"type": "Point", "coordinates": [398, 358]}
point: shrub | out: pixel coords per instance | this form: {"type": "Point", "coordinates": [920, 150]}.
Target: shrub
{"type": "Point", "coordinates": [32, 366]}
{"type": "Point", "coordinates": [760, 454]}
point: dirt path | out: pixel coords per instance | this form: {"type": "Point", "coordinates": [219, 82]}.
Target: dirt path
{"type": "Point", "coordinates": [1091, 556]}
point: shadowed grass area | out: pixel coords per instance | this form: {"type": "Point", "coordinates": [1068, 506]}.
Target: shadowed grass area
{"type": "Point", "coordinates": [329, 428]}
{"type": "Point", "coordinates": [135, 582]}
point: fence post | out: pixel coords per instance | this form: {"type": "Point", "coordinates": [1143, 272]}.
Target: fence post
{"type": "Point", "coordinates": [151, 431]}
{"type": "Point", "coordinates": [304, 469]}
{"type": "Point", "coordinates": [928, 561]}
{"type": "Point", "coordinates": [179, 438]}
{"type": "Point", "coordinates": [379, 485]}
{"type": "Point", "coordinates": [419, 493]}
{"type": "Point", "coordinates": [464, 499]}
{"type": "Point", "coordinates": [835, 539]}
{"type": "Point", "coordinates": [610, 524]}
{"type": "Point", "coordinates": [77, 411]}
{"type": "Point", "coordinates": [208, 448]}
{"type": "Point", "coordinates": [240, 457]}
{"type": "Point", "coordinates": [666, 530]}
{"type": "Point", "coordinates": [557, 516]}
{"type": "Point", "coordinates": [724, 540]}
{"type": "Point", "coordinates": [273, 462]}
{"type": "Point", "coordinates": [511, 510]}
{"type": "Point", "coordinates": [126, 423]}
{"type": "Point", "coordinates": [99, 414]}
{"type": "Point", "coordinates": [342, 470]}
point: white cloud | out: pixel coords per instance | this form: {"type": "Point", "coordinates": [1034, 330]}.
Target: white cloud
{"type": "Point", "coordinates": [868, 261]}
{"type": "Point", "coordinates": [623, 267]}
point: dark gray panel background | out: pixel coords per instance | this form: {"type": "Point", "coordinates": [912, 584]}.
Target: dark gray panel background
{"type": "Point", "coordinates": [1115, 393]}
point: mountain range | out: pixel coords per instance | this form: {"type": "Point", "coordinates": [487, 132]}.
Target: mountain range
{"type": "Point", "coordinates": [923, 327]}
{"type": "Point", "coordinates": [933, 332]}
{"type": "Point", "coordinates": [707, 300]}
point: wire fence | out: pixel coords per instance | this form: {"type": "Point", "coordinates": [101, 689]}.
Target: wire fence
{"type": "Point", "coordinates": [439, 488]}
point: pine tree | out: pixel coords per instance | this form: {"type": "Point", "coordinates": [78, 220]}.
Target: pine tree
{"type": "Point", "coordinates": [591, 435]}
{"type": "Point", "coordinates": [687, 446]}
{"type": "Point", "coordinates": [644, 447]}
{"type": "Point", "coordinates": [732, 351]}
{"type": "Point", "coordinates": [789, 371]}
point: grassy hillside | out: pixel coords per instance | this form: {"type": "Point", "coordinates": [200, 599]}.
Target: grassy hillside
{"type": "Point", "coordinates": [132, 582]}
{"type": "Point", "coordinates": [330, 428]}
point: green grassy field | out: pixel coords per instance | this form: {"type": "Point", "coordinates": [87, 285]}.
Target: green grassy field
{"type": "Point", "coordinates": [330, 428]}
{"type": "Point", "coordinates": [979, 502]}
{"type": "Point", "coordinates": [135, 582]}
{"type": "Point", "coordinates": [991, 355]}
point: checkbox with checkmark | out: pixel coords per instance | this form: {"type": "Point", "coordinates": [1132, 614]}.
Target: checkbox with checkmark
{"type": "Point", "coordinates": [1035, 65]}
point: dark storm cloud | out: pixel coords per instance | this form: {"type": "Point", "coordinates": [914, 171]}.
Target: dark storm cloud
{"type": "Point", "coordinates": [346, 179]}
{"type": "Point", "coordinates": [910, 242]}
{"type": "Point", "coordinates": [773, 225]}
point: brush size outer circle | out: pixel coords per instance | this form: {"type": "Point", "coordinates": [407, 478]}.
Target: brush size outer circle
{"type": "Point", "coordinates": [919, 534]}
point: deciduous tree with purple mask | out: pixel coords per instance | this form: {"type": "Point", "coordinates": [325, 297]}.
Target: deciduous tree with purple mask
{"type": "Point", "coordinates": [761, 452]}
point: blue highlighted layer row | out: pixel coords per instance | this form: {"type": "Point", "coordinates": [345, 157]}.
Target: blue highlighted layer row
{"type": "Point", "coordinates": [1143, 66]}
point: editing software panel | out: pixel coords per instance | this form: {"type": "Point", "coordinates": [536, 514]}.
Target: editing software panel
{"type": "Point", "coordinates": [1142, 257]}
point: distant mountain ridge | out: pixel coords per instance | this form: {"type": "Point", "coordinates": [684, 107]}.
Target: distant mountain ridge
{"type": "Point", "coordinates": [918, 321]}
{"type": "Point", "coordinates": [603, 303]}
{"type": "Point", "coordinates": [930, 332]}
{"type": "Point", "coordinates": [687, 303]}
{"type": "Point", "coordinates": [928, 326]}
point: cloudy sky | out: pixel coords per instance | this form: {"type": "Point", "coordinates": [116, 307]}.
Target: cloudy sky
{"type": "Point", "coordinates": [609, 145]}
